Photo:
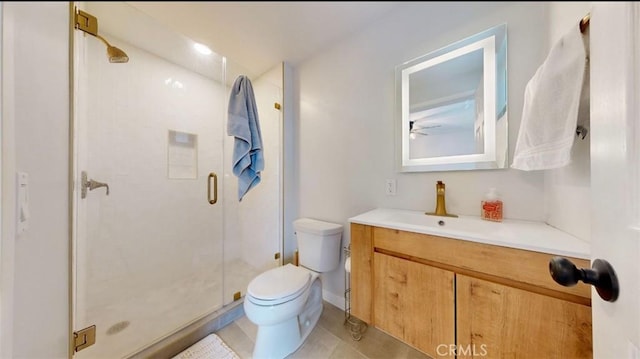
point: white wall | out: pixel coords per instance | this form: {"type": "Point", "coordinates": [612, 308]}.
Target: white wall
{"type": "Point", "coordinates": [346, 117]}
{"type": "Point", "coordinates": [567, 189]}
{"type": "Point", "coordinates": [35, 89]}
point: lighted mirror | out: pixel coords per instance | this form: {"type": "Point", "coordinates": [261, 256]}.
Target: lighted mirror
{"type": "Point", "coordinates": [452, 106]}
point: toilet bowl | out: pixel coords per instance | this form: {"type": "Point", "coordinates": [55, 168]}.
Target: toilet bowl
{"type": "Point", "coordinates": [286, 302]}
{"type": "Point", "coordinates": [285, 313]}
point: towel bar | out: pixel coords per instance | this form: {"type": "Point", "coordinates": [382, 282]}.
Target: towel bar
{"type": "Point", "coordinates": [584, 24]}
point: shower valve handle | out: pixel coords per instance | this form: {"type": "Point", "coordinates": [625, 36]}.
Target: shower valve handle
{"type": "Point", "coordinates": [90, 185]}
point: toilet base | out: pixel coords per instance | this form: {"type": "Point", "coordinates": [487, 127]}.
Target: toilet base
{"type": "Point", "coordinates": [279, 340]}
{"type": "Point", "coordinates": [272, 344]}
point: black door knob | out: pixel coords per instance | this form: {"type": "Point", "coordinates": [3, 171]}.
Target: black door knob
{"type": "Point", "coordinates": [601, 275]}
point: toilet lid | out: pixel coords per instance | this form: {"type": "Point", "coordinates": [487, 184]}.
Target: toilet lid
{"type": "Point", "coordinates": [279, 282]}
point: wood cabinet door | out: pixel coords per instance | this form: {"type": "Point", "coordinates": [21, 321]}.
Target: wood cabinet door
{"type": "Point", "coordinates": [361, 277]}
{"type": "Point", "coordinates": [496, 321]}
{"type": "Point", "coordinates": [414, 303]}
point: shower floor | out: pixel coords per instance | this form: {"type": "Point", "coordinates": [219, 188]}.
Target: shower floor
{"type": "Point", "coordinates": [131, 323]}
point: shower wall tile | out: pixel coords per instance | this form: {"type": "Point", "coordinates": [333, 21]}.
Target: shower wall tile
{"type": "Point", "coordinates": [154, 225]}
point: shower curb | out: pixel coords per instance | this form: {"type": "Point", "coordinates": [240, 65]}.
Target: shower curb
{"type": "Point", "coordinates": [175, 343]}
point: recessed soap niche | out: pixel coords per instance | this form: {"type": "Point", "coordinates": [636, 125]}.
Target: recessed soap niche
{"type": "Point", "coordinates": [182, 155]}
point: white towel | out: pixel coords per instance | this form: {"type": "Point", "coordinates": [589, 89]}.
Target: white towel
{"type": "Point", "coordinates": [551, 102]}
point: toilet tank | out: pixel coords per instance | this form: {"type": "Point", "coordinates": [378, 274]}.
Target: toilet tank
{"type": "Point", "coordinates": [318, 244]}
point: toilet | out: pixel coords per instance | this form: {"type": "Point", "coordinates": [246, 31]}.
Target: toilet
{"type": "Point", "coordinates": [286, 302]}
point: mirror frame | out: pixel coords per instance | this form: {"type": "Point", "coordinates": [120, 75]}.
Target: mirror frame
{"type": "Point", "coordinates": [495, 155]}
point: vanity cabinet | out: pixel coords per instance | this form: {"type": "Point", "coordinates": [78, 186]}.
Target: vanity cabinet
{"type": "Point", "coordinates": [449, 297]}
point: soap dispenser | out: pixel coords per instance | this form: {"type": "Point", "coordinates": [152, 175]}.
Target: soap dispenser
{"type": "Point", "coordinates": [491, 207]}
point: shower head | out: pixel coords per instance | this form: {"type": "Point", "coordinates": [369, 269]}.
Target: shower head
{"type": "Point", "coordinates": [115, 54]}
{"type": "Point", "coordinates": [89, 24]}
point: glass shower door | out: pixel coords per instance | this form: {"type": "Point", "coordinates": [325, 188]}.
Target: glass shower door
{"type": "Point", "coordinates": [149, 141]}
{"type": "Point", "coordinates": [253, 227]}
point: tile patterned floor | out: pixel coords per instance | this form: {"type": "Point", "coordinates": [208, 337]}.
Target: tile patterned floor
{"type": "Point", "coordinates": [330, 339]}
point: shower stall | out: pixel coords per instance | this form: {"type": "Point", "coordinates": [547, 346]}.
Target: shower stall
{"type": "Point", "coordinates": [160, 239]}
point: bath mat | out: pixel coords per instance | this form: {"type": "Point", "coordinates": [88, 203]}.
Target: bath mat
{"type": "Point", "coordinates": [211, 347]}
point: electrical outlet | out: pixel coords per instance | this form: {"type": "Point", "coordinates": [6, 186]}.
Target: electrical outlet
{"type": "Point", "coordinates": [390, 188]}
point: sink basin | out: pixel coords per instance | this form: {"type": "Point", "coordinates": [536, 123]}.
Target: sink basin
{"type": "Point", "coordinates": [528, 235]}
{"type": "Point", "coordinates": [462, 223]}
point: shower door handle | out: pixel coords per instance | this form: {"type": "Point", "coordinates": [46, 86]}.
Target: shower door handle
{"type": "Point", "coordinates": [215, 188]}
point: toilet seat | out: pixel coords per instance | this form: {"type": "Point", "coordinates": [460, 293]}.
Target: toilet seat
{"type": "Point", "coordinates": [279, 285]}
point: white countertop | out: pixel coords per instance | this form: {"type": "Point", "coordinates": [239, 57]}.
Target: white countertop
{"type": "Point", "coordinates": [528, 235]}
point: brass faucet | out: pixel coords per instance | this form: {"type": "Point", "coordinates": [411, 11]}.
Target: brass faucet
{"type": "Point", "coordinates": [441, 209]}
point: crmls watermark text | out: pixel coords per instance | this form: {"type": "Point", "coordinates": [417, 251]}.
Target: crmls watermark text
{"type": "Point", "coordinates": [469, 349]}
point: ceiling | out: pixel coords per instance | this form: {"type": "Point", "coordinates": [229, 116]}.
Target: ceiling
{"type": "Point", "coordinates": [260, 35]}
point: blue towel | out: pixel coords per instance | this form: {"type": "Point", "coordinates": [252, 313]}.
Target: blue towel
{"type": "Point", "coordinates": [244, 125]}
